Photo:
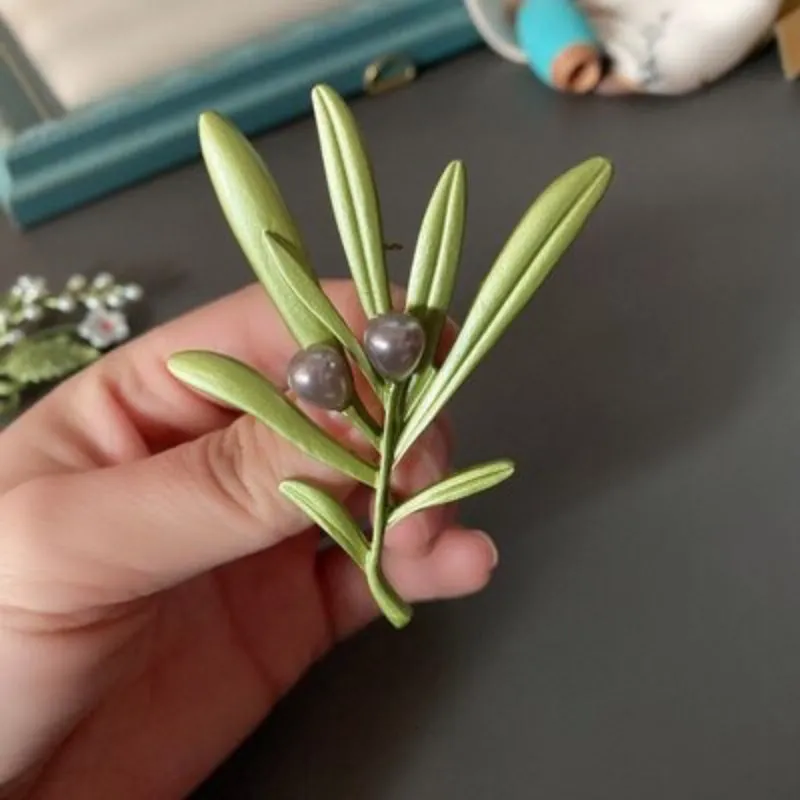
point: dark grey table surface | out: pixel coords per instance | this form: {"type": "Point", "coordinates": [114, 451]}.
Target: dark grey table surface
{"type": "Point", "coordinates": [641, 638]}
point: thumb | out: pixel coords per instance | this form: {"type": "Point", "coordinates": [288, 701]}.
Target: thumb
{"type": "Point", "coordinates": [86, 540]}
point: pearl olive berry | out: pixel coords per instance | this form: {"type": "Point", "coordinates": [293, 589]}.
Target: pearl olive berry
{"type": "Point", "coordinates": [394, 344]}
{"type": "Point", "coordinates": [321, 375]}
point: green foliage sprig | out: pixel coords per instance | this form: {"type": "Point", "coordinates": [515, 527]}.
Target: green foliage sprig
{"type": "Point", "coordinates": [398, 355]}
{"type": "Point", "coordinates": [46, 336]}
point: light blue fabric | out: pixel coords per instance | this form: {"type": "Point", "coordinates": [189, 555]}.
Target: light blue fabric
{"type": "Point", "coordinates": [545, 28]}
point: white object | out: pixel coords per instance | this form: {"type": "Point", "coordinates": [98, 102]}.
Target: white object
{"type": "Point", "coordinates": [655, 46]}
{"type": "Point", "coordinates": [494, 22]}
{"type": "Point", "coordinates": [87, 50]}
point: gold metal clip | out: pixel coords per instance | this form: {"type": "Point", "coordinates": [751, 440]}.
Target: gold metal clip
{"type": "Point", "coordinates": [387, 73]}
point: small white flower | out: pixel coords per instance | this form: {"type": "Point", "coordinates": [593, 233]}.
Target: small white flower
{"type": "Point", "coordinates": [133, 292]}
{"type": "Point", "coordinates": [29, 289]}
{"type": "Point", "coordinates": [77, 283]}
{"type": "Point", "coordinates": [104, 280]}
{"type": "Point", "coordinates": [103, 328]}
{"type": "Point", "coordinates": [11, 338]}
{"type": "Point", "coordinates": [65, 303]}
{"type": "Point", "coordinates": [32, 313]}
{"type": "Point", "coordinates": [93, 302]}
{"type": "Point", "coordinates": [116, 298]}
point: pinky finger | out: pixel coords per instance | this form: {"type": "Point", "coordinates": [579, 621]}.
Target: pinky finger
{"type": "Point", "coordinates": [460, 563]}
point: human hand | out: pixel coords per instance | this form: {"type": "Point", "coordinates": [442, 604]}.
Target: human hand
{"type": "Point", "coordinates": [158, 594]}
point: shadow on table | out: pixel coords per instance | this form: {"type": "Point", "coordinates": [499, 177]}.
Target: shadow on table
{"type": "Point", "coordinates": [346, 730]}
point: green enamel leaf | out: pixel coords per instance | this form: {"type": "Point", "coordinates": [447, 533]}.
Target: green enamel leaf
{"type": "Point", "coordinates": [9, 404]}
{"type": "Point", "coordinates": [456, 487]}
{"type": "Point", "coordinates": [330, 516]}
{"type": "Point", "coordinates": [252, 203]}
{"type": "Point", "coordinates": [354, 198]}
{"type": "Point", "coordinates": [10, 397]}
{"type": "Point", "coordinates": [44, 359]}
{"type": "Point", "coordinates": [540, 239]}
{"type": "Point", "coordinates": [435, 264]}
{"type": "Point", "coordinates": [8, 387]}
{"type": "Point", "coordinates": [237, 385]}
{"type": "Point", "coordinates": [310, 293]}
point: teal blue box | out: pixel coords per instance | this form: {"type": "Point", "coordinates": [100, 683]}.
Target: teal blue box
{"type": "Point", "coordinates": [61, 163]}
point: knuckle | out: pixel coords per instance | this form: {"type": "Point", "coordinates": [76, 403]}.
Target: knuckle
{"type": "Point", "coordinates": [238, 466]}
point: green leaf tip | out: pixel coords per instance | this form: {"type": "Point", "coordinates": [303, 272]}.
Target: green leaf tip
{"type": "Point", "coordinates": [252, 203]}
{"type": "Point", "coordinates": [537, 243]}
{"type": "Point", "coordinates": [354, 198]}
{"type": "Point", "coordinates": [239, 386]}
{"type": "Point", "coordinates": [435, 264]}
{"type": "Point", "coordinates": [319, 305]}
{"type": "Point", "coordinates": [329, 515]}
{"type": "Point", "coordinates": [458, 486]}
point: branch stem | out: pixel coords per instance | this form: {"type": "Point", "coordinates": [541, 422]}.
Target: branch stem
{"type": "Point", "coordinates": [397, 611]}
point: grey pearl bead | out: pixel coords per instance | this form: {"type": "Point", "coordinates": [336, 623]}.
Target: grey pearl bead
{"type": "Point", "coordinates": [394, 343]}
{"type": "Point", "coordinates": [321, 375]}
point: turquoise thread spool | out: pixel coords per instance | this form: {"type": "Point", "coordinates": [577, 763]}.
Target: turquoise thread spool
{"type": "Point", "coordinates": [560, 46]}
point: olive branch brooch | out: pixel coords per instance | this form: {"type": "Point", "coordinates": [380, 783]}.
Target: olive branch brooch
{"type": "Point", "coordinates": [398, 354]}
{"type": "Point", "coordinates": [46, 336]}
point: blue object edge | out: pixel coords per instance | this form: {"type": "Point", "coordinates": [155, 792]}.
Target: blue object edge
{"type": "Point", "coordinates": [546, 28]}
{"type": "Point", "coordinates": [60, 165]}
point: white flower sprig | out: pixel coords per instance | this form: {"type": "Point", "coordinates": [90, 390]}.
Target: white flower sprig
{"type": "Point", "coordinates": [45, 335]}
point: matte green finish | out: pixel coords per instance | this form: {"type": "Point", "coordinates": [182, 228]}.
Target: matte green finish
{"type": "Point", "coordinates": [42, 358]}
{"type": "Point", "coordinates": [235, 384]}
{"type": "Point", "coordinates": [435, 265]}
{"type": "Point", "coordinates": [252, 203]}
{"type": "Point", "coordinates": [10, 397]}
{"type": "Point", "coordinates": [354, 198]}
{"type": "Point", "coordinates": [395, 610]}
{"type": "Point", "coordinates": [457, 486]}
{"type": "Point", "coordinates": [331, 516]}
{"type": "Point", "coordinates": [267, 234]}
{"type": "Point", "coordinates": [538, 242]}
{"type": "Point", "coordinates": [45, 358]}
{"type": "Point", "coordinates": [310, 294]}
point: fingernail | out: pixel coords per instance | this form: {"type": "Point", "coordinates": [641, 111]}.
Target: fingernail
{"type": "Point", "coordinates": [492, 547]}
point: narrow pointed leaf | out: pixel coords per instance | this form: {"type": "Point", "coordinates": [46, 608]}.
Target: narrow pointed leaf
{"type": "Point", "coordinates": [310, 293]}
{"type": "Point", "coordinates": [540, 239]}
{"type": "Point", "coordinates": [239, 386]}
{"type": "Point", "coordinates": [458, 486]}
{"type": "Point", "coordinates": [331, 516]}
{"type": "Point", "coordinates": [252, 203]}
{"type": "Point", "coordinates": [435, 264]}
{"type": "Point", "coordinates": [354, 198]}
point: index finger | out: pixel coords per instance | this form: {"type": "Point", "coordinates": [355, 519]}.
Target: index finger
{"type": "Point", "coordinates": [127, 405]}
